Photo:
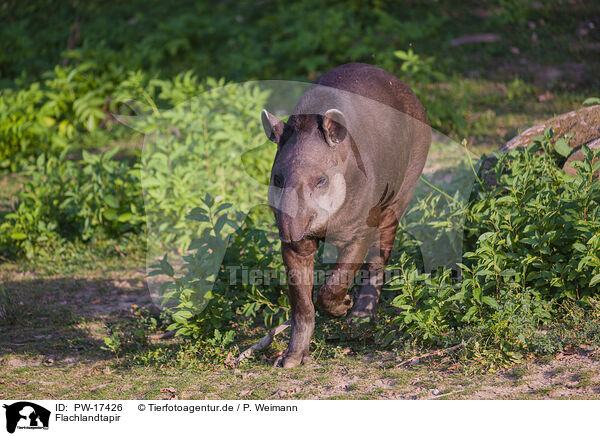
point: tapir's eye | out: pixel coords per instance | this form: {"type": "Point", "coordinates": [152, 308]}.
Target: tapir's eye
{"type": "Point", "coordinates": [278, 181]}
{"type": "Point", "coordinates": [323, 182]}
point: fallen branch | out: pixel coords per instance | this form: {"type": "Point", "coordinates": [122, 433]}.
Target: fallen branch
{"type": "Point", "coordinates": [446, 394]}
{"type": "Point", "coordinates": [264, 342]}
{"type": "Point", "coordinates": [432, 353]}
{"type": "Point", "coordinates": [580, 125]}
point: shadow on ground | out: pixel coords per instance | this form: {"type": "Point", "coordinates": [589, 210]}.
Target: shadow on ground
{"type": "Point", "coordinates": [61, 321]}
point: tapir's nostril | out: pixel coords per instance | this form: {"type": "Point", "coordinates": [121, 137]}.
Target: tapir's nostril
{"type": "Point", "coordinates": [278, 181]}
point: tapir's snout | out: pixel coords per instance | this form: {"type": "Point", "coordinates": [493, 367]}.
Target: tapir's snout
{"type": "Point", "coordinates": [293, 229]}
{"type": "Point", "coordinates": [292, 214]}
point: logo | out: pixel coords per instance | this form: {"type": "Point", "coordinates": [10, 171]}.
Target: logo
{"type": "Point", "coordinates": [26, 415]}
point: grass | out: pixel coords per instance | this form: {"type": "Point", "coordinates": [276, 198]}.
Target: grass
{"type": "Point", "coordinates": [584, 378]}
{"type": "Point", "coordinates": [519, 371]}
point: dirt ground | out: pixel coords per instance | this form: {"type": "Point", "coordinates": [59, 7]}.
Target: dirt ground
{"type": "Point", "coordinates": [53, 351]}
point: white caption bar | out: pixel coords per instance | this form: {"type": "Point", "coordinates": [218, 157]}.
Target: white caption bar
{"type": "Point", "coordinates": [156, 417]}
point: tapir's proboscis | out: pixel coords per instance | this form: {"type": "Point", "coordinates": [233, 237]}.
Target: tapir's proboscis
{"type": "Point", "coordinates": [348, 159]}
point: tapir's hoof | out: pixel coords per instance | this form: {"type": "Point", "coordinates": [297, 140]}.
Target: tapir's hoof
{"type": "Point", "coordinates": [362, 313]}
{"type": "Point", "coordinates": [365, 306]}
{"type": "Point", "coordinates": [293, 361]}
{"type": "Point", "coordinates": [336, 309]}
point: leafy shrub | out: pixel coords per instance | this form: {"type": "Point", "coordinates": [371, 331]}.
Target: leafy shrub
{"type": "Point", "coordinates": [206, 300]}
{"type": "Point", "coordinates": [45, 104]}
{"type": "Point", "coordinates": [196, 147]}
{"type": "Point", "coordinates": [211, 125]}
{"type": "Point", "coordinates": [26, 123]}
{"type": "Point", "coordinates": [236, 39]}
{"type": "Point", "coordinates": [54, 103]}
{"type": "Point", "coordinates": [532, 243]}
{"type": "Point", "coordinates": [46, 116]}
{"type": "Point", "coordinates": [63, 199]}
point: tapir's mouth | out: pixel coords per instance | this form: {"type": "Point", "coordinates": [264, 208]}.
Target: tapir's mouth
{"type": "Point", "coordinates": [288, 237]}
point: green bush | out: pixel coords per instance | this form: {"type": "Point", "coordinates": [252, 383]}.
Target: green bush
{"type": "Point", "coordinates": [44, 105]}
{"type": "Point", "coordinates": [531, 244]}
{"type": "Point", "coordinates": [47, 116]}
{"type": "Point", "coordinates": [200, 145]}
{"type": "Point", "coordinates": [51, 92]}
{"type": "Point", "coordinates": [204, 143]}
{"type": "Point", "coordinates": [66, 200]}
{"type": "Point", "coordinates": [204, 300]}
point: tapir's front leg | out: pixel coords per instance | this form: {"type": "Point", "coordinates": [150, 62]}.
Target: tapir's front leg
{"type": "Point", "coordinates": [333, 297]}
{"type": "Point", "coordinates": [299, 259]}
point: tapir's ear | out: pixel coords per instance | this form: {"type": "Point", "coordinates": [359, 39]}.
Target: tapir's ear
{"type": "Point", "coordinates": [334, 127]}
{"type": "Point", "coordinates": [273, 126]}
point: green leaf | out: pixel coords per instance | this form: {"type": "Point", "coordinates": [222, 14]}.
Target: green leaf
{"type": "Point", "coordinates": [198, 217]}
{"type": "Point", "coordinates": [110, 214]}
{"type": "Point", "coordinates": [183, 314]}
{"type": "Point", "coordinates": [490, 301]}
{"type": "Point", "coordinates": [595, 280]}
{"type": "Point", "coordinates": [111, 201]}
{"type": "Point", "coordinates": [18, 236]}
{"type": "Point", "coordinates": [125, 217]}
{"type": "Point", "coordinates": [89, 158]}
{"type": "Point", "coordinates": [591, 101]}
{"type": "Point", "coordinates": [472, 310]}
{"type": "Point", "coordinates": [222, 207]}
{"type": "Point", "coordinates": [477, 294]}
{"type": "Point", "coordinates": [562, 147]}
{"type": "Point", "coordinates": [166, 267]}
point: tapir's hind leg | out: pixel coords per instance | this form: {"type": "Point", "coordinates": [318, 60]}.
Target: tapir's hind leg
{"type": "Point", "coordinates": [333, 296]}
{"type": "Point", "coordinates": [372, 273]}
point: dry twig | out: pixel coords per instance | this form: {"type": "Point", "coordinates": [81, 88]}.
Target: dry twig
{"type": "Point", "coordinates": [264, 342]}
{"type": "Point", "coordinates": [432, 353]}
{"type": "Point", "coordinates": [448, 393]}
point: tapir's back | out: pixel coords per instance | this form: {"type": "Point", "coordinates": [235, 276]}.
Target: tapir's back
{"type": "Point", "coordinates": [389, 123]}
{"type": "Point", "coordinates": [359, 78]}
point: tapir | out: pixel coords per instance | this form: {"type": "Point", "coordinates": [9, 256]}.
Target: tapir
{"type": "Point", "coordinates": [348, 159]}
